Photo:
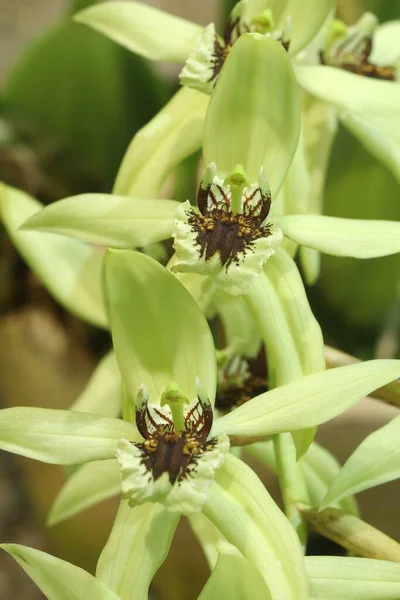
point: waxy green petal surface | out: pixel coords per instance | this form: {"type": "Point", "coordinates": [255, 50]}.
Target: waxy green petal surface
{"type": "Point", "coordinates": [240, 329]}
{"type": "Point", "coordinates": [307, 20]}
{"type": "Point", "coordinates": [56, 578]}
{"type": "Point", "coordinates": [240, 506]}
{"type": "Point", "coordinates": [108, 220]}
{"type": "Point", "coordinates": [137, 546]}
{"type": "Point", "coordinates": [336, 578]}
{"type": "Point", "coordinates": [247, 124]}
{"type": "Point", "coordinates": [309, 401]}
{"type": "Point", "coordinates": [234, 577]}
{"type": "Point", "coordinates": [375, 461]}
{"type": "Point", "coordinates": [150, 32]}
{"type": "Point", "coordinates": [102, 393]}
{"type": "Point", "coordinates": [172, 135]}
{"type": "Point", "coordinates": [87, 486]}
{"type": "Point", "coordinates": [60, 436]}
{"type": "Point", "coordinates": [159, 333]}
{"type": "Point", "coordinates": [363, 95]}
{"type": "Point", "coordinates": [344, 237]}
{"type": "Point", "coordinates": [386, 43]}
{"type": "Point", "coordinates": [69, 269]}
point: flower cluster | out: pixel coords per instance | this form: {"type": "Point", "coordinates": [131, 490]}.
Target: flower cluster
{"type": "Point", "coordinates": [196, 400]}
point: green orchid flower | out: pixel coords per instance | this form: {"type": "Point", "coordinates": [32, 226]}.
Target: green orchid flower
{"type": "Point", "coordinates": [358, 77]}
{"type": "Point", "coordinates": [263, 140]}
{"type": "Point", "coordinates": [159, 36]}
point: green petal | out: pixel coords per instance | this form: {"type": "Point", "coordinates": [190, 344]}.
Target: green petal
{"type": "Point", "coordinates": [61, 436]}
{"type": "Point", "coordinates": [56, 578]}
{"type": "Point", "coordinates": [307, 20]}
{"type": "Point", "coordinates": [235, 578]}
{"type": "Point", "coordinates": [241, 508]}
{"type": "Point", "coordinates": [375, 461]}
{"type": "Point", "coordinates": [336, 578]}
{"type": "Point", "coordinates": [172, 135]}
{"type": "Point", "coordinates": [101, 395]}
{"type": "Point", "coordinates": [344, 237]}
{"type": "Point", "coordinates": [108, 220]}
{"type": "Point", "coordinates": [69, 269]}
{"type": "Point", "coordinates": [309, 401]}
{"type": "Point", "coordinates": [145, 30]}
{"type": "Point", "coordinates": [159, 333]}
{"type": "Point", "coordinates": [137, 546]}
{"type": "Point", "coordinates": [87, 486]}
{"type": "Point", "coordinates": [386, 43]}
{"type": "Point", "coordinates": [254, 114]}
{"type": "Point", "coordinates": [363, 95]}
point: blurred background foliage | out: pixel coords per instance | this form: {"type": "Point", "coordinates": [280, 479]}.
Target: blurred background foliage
{"type": "Point", "coordinates": [68, 108]}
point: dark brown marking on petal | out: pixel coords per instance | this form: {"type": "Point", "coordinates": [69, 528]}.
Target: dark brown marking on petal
{"type": "Point", "coordinates": [229, 234]}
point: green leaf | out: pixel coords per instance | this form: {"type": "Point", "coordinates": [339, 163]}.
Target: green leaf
{"type": "Point", "coordinates": [137, 546]}
{"type": "Point", "coordinates": [108, 220]}
{"type": "Point", "coordinates": [241, 508]}
{"type": "Point", "coordinates": [247, 124]}
{"type": "Point", "coordinates": [69, 269]}
{"type": "Point", "coordinates": [375, 461]}
{"type": "Point", "coordinates": [344, 237]}
{"type": "Point", "coordinates": [160, 334]}
{"type": "Point", "coordinates": [61, 436]}
{"type": "Point", "coordinates": [143, 29]}
{"type": "Point", "coordinates": [101, 394]}
{"type": "Point", "coordinates": [172, 135]}
{"type": "Point", "coordinates": [235, 578]}
{"type": "Point", "coordinates": [56, 578]}
{"type": "Point", "coordinates": [87, 486]}
{"type": "Point", "coordinates": [336, 578]}
{"type": "Point", "coordinates": [309, 401]}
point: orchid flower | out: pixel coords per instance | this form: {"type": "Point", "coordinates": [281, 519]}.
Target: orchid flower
{"type": "Point", "coordinates": [147, 303]}
{"type": "Point", "coordinates": [263, 142]}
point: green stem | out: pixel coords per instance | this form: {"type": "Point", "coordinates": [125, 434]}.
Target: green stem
{"type": "Point", "coordinates": [292, 483]}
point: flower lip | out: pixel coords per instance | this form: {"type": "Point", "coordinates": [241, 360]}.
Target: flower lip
{"type": "Point", "coordinates": [166, 450]}
{"type": "Point", "coordinates": [237, 384]}
{"type": "Point", "coordinates": [350, 49]}
{"type": "Point", "coordinates": [219, 229]}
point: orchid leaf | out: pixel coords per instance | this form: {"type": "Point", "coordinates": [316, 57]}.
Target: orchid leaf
{"type": "Point", "coordinates": [69, 269]}
{"type": "Point", "coordinates": [101, 394]}
{"type": "Point", "coordinates": [143, 29]}
{"type": "Point", "coordinates": [87, 486]}
{"type": "Point", "coordinates": [57, 579]}
{"type": "Point", "coordinates": [108, 220]}
{"type": "Point", "coordinates": [309, 401]}
{"type": "Point", "coordinates": [159, 333]}
{"type": "Point", "coordinates": [137, 546]}
{"type": "Point", "coordinates": [375, 461]}
{"type": "Point", "coordinates": [241, 508]}
{"type": "Point", "coordinates": [337, 577]}
{"type": "Point", "coordinates": [61, 436]}
{"type": "Point", "coordinates": [172, 135]}
{"type": "Point", "coordinates": [344, 237]}
{"type": "Point", "coordinates": [247, 124]}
